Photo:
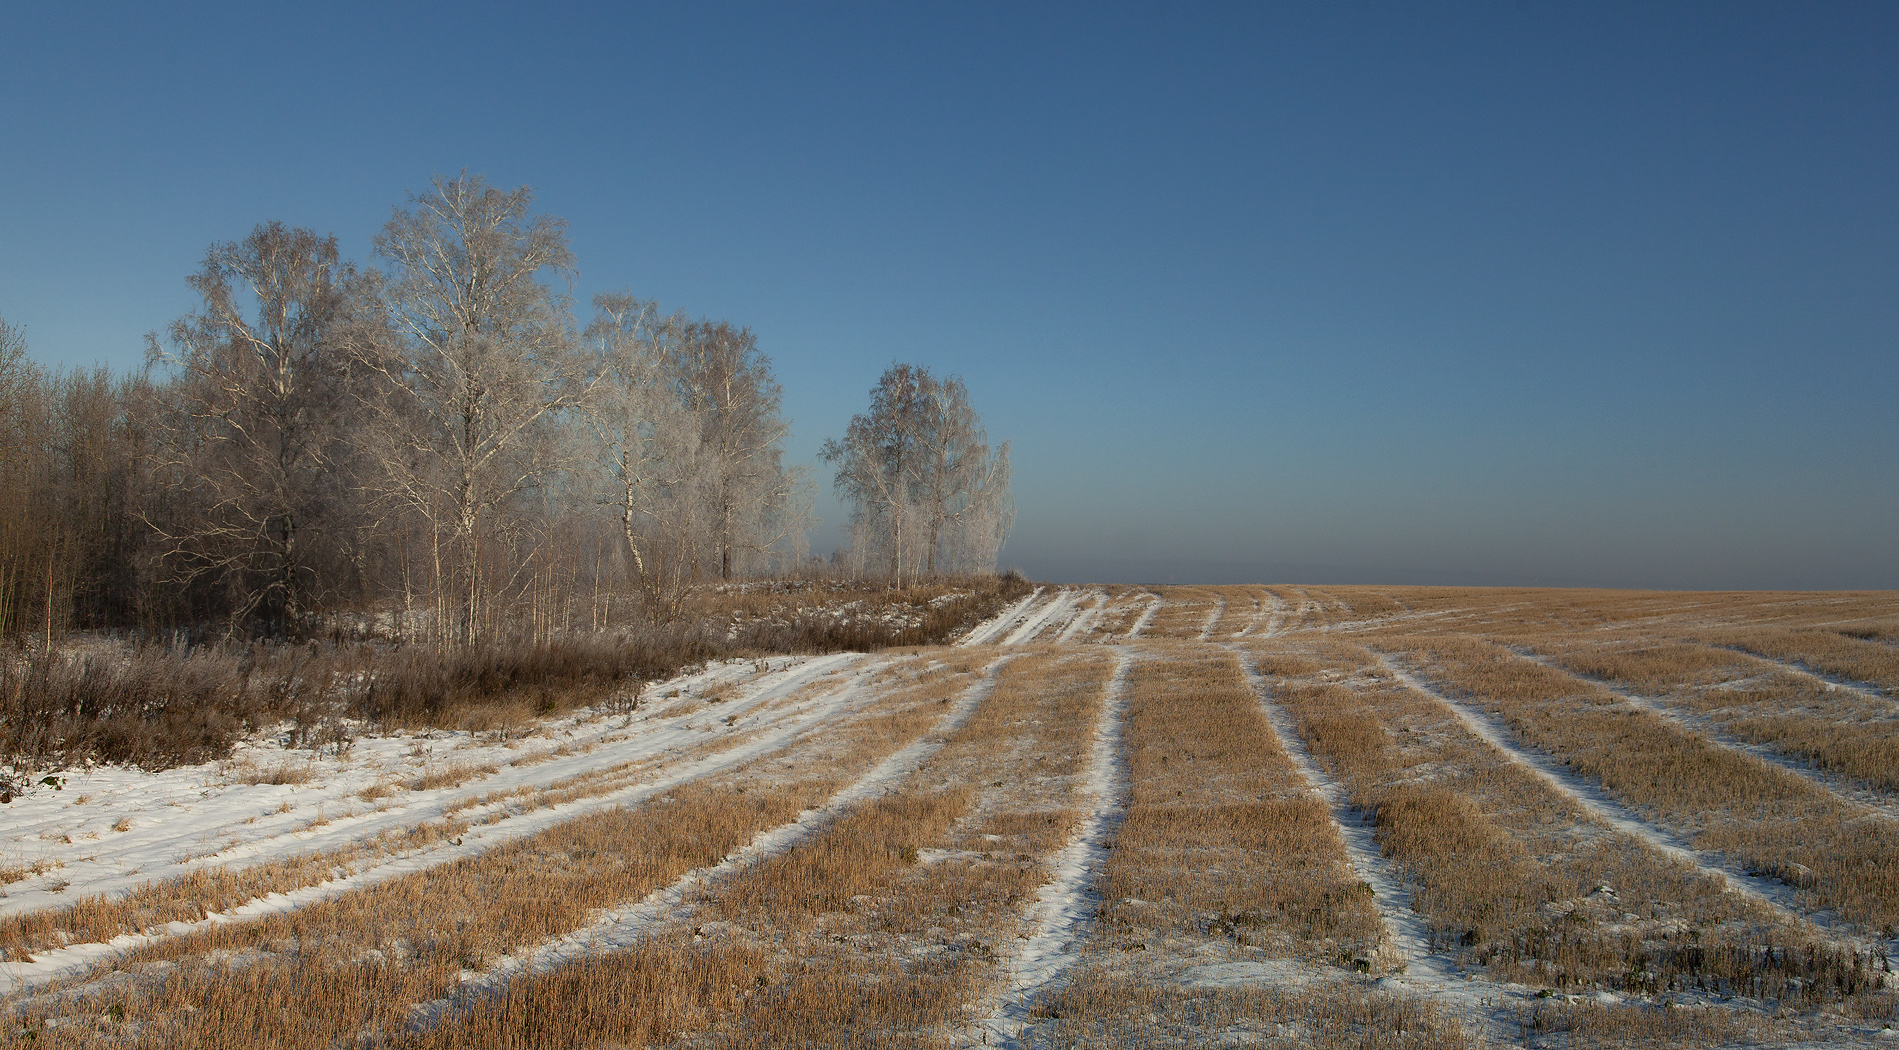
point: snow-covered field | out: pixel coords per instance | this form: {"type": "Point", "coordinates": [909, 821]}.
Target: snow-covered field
{"type": "Point", "coordinates": [1393, 817]}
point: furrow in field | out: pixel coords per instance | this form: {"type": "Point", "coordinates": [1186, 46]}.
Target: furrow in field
{"type": "Point", "coordinates": [1822, 678]}
{"type": "Point", "coordinates": [1848, 735]}
{"type": "Point", "coordinates": [1065, 906]}
{"type": "Point", "coordinates": [990, 630]}
{"type": "Point", "coordinates": [1514, 879]}
{"type": "Point", "coordinates": [1800, 765]}
{"type": "Point", "coordinates": [1410, 938]}
{"type": "Point", "coordinates": [1229, 906]}
{"type": "Point", "coordinates": [45, 965]}
{"type": "Point", "coordinates": [1213, 617]}
{"type": "Point", "coordinates": [623, 929]}
{"type": "Point", "coordinates": [1147, 617]}
{"type": "Point", "coordinates": [189, 822]}
{"type": "Point", "coordinates": [1863, 665]}
{"type": "Point", "coordinates": [1266, 606]}
{"type": "Point", "coordinates": [1773, 893]}
{"type": "Point", "coordinates": [884, 927]}
{"type": "Point", "coordinates": [1084, 621]}
{"type": "Point", "coordinates": [355, 965]}
{"type": "Point", "coordinates": [1061, 605]}
{"type": "Point", "coordinates": [1834, 856]}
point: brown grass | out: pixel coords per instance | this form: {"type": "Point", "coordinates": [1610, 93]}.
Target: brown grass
{"type": "Point", "coordinates": [356, 962]}
{"type": "Point", "coordinates": [1511, 875]}
{"type": "Point", "coordinates": [1221, 837]}
{"type": "Point", "coordinates": [1832, 729]}
{"type": "Point", "coordinates": [853, 932]}
{"type": "Point", "coordinates": [1836, 853]}
{"type": "Point", "coordinates": [1102, 1008]}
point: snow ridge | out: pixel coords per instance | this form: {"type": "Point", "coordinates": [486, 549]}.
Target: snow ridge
{"type": "Point", "coordinates": [1219, 610]}
{"type": "Point", "coordinates": [1775, 895]}
{"type": "Point", "coordinates": [1410, 937]}
{"type": "Point", "coordinates": [1146, 618]}
{"type": "Point", "coordinates": [624, 929]}
{"type": "Point", "coordinates": [1064, 907]}
{"type": "Point", "coordinates": [75, 959]}
{"type": "Point", "coordinates": [1061, 604]}
{"type": "Point", "coordinates": [982, 633]}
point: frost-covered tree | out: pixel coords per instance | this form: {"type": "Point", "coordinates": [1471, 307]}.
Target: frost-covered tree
{"type": "Point", "coordinates": [480, 366]}
{"type": "Point", "coordinates": [250, 427]}
{"type": "Point", "coordinates": [927, 492]}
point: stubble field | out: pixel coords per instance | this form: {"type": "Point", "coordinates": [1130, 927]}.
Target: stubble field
{"type": "Point", "coordinates": [1248, 816]}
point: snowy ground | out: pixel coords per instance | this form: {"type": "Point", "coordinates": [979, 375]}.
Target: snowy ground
{"type": "Point", "coordinates": [111, 832]}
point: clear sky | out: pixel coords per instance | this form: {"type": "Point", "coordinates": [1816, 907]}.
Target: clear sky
{"type": "Point", "coordinates": [1353, 292]}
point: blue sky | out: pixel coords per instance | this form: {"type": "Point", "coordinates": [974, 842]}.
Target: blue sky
{"type": "Point", "coordinates": [1483, 293]}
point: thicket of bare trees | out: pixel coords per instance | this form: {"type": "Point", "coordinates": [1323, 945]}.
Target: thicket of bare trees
{"type": "Point", "coordinates": [927, 493]}
{"type": "Point", "coordinates": [434, 449]}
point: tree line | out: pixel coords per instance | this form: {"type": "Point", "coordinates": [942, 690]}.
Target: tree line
{"type": "Point", "coordinates": [437, 449]}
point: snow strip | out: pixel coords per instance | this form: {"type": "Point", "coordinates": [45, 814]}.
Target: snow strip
{"type": "Point", "coordinates": [1062, 603]}
{"type": "Point", "coordinates": [1086, 619]}
{"type": "Point", "coordinates": [1273, 615]}
{"type": "Point", "coordinates": [1146, 618]}
{"type": "Point", "coordinates": [16, 977]}
{"type": "Point", "coordinates": [984, 632]}
{"type": "Point", "coordinates": [1219, 610]}
{"type": "Point", "coordinates": [1065, 906]}
{"type": "Point", "coordinates": [191, 818]}
{"type": "Point", "coordinates": [625, 929]}
{"type": "Point", "coordinates": [1409, 936]}
{"type": "Point", "coordinates": [1704, 726]}
{"type": "Point", "coordinates": [1827, 681]}
{"type": "Point", "coordinates": [1775, 895]}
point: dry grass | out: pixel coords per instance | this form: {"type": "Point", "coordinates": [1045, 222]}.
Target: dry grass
{"type": "Point", "coordinates": [1185, 614]}
{"type": "Point", "coordinates": [1105, 1009]}
{"type": "Point", "coordinates": [1832, 729]}
{"type": "Point", "coordinates": [1222, 838]}
{"type": "Point", "coordinates": [146, 705]}
{"type": "Point", "coordinates": [357, 962]}
{"type": "Point", "coordinates": [452, 774]}
{"type": "Point", "coordinates": [1515, 878]}
{"type": "Point", "coordinates": [1589, 1025]}
{"type": "Point", "coordinates": [884, 924]}
{"type": "Point", "coordinates": [1827, 653]}
{"type": "Point", "coordinates": [190, 897]}
{"type": "Point", "coordinates": [1837, 854]}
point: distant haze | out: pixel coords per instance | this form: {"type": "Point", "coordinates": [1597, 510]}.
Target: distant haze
{"type": "Point", "coordinates": [1600, 294]}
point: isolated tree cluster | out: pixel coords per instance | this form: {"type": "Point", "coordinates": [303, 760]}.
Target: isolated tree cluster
{"type": "Point", "coordinates": [436, 447]}
{"type": "Point", "coordinates": [927, 493]}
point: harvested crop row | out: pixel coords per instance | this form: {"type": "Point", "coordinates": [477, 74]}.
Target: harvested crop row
{"type": "Point", "coordinates": [1222, 837]}
{"type": "Point", "coordinates": [1838, 855]}
{"type": "Point", "coordinates": [891, 923]}
{"type": "Point", "coordinates": [1247, 610]}
{"type": "Point", "coordinates": [1226, 863]}
{"type": "Point", "coordinates": [360, 961]}
{"type": "Point", "coordinates": [1513, 876]}
{"type": "Point", "coordinates": [1183, 612]}
{"type": "Point", "coordinates": [190, 898]}
{"type": "Point", "coordinates": [1837, 730]}
{"type": "Point", "coordinates": [1123, 609]}
{"type": "Point", "coordinates": [1829, 654]}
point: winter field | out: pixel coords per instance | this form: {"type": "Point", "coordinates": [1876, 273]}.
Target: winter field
{"type": "Point", "coordinates": [1249, 816]}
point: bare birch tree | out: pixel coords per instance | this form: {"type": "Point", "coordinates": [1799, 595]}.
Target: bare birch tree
{"type": "Point", "coordinates": [749, 502]}
{"type": "Point", "coordinates": [250, 421]}
{"type": "Point", "coordinates": [924, 486]}
{"type": "Point", "coordinates": [641, 442]}
{"type": "Point", "coordinates": [481, 365]}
